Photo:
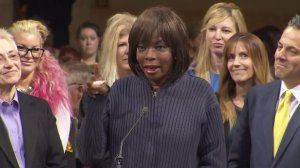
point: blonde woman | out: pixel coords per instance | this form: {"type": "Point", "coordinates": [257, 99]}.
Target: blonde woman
{"type": "Point", "coordinates": [245, 65]}
{"type": "Point", "coordinates": [41, 74]}
{"type": "Point", "coordinates": [221, 21]}
{"type": "Point", "coordinates": [113, 65]}
{"type": "Point", "coordinates": [114, 48]}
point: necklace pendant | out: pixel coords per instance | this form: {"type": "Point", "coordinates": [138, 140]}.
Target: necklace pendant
{"type": "Point", "coordinates": [25, 90]}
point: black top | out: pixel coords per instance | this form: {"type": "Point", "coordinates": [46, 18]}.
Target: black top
{"type": "Point", "coordinates": [228, 131]}
{"type": "Point", "coordinates": [183, 127]}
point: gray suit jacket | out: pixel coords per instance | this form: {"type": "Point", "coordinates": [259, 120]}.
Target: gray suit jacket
{"type": "Point", "coordinates": [253, 139]}
{"type": "Point", "coordinates": [42, 144]}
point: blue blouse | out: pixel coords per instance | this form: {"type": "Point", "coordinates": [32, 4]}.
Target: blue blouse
{"type": "Point", "coordinates": [214, 77]}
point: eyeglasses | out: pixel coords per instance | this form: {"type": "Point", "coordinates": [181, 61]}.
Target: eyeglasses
{"type": "Point", "coordinates": [35, 52]}
{"type": "Point", "coordinates": [13, 56]}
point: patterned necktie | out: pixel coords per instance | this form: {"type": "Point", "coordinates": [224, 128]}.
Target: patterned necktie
{"type": "Point", "coordinates": [281, 120]}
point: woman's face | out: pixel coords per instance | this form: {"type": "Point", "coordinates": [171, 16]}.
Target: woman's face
{"type": "Point", "coordinates": [217, 34]}
{"type": "Point", "coordinates": [240, 65]}
{"type": "Point", "coordinates": [29, 62]}
{"type": "Point", "coordinates": [88, 42]}
{"type": "Point", "coordinates": [155, 60]}
{"type": "Point", "coordinates": [122, 54]}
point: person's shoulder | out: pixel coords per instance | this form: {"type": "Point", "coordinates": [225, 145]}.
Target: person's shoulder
{"type": "Point", "coordinates": [193, 85]}
{"type": "Point", "coordinates": [195, 81]}
{"type": "Point", "coordinates": [34, 105]}
{"type": "Point", "coordinates": [191, 69]}
{"type": "Point", "coordinates": [31, 99]}
{"type": "Point", "coordinates": [263, 91]}
{"type": "Point", "coordinates": [128, 80]}
{"type": "Point", "coordinates": [262, 88]}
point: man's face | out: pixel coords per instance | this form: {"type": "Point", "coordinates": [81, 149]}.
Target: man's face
{"type": "Point", "coordinates": [10, 66]}
{"type": "Point", "coordinates": [287, 57]}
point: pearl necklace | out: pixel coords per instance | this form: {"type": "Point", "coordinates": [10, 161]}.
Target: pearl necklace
{"type": "Point", "coordinates": [25, 90]}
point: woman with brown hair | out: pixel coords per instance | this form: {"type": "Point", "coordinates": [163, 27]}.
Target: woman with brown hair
{"type": "Point", "coordinates": [245, 65]}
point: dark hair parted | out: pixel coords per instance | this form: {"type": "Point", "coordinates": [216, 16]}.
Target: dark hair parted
{"type": "Point", "coordinates": [165, 23]}
{"type": "Point", "coordinates": [90, 25]}
{"type": "Point", "coordinates": [295, 22]}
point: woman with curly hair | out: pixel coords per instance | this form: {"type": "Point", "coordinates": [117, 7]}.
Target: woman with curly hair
{"type": "Point", "coordinates": [41, 74]}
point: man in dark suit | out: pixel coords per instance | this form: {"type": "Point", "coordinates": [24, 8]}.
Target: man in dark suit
{"type": "Point", "coordinates": [268, 129]}
{"type": "Point", "coordinates": [28, 134]}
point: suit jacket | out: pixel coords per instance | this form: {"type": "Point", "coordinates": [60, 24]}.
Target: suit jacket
{"type": "Point", "coordinates": [253, 139]}
{"type": "Point", "coordinates": [42, 145]}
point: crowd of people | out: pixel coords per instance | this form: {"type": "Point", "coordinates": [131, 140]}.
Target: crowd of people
{"type": "Point", "coordinates": [142, 94]}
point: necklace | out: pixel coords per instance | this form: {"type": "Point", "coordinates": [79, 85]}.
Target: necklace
{"type": "Point", "coordinates": [25, 90]}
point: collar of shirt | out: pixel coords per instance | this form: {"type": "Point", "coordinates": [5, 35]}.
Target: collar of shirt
{"type": "Point", "coordinates": [294, 90]}
{"type": "Point", "coordinates": [14, 102]}
{"type": "Point", "coordinates": [295, 100]}
{"type": "Point", "coordinates": [10, 114]}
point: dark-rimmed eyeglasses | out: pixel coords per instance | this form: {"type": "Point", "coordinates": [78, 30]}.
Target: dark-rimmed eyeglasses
{"type": "Point", "coordinates": [35, 52]}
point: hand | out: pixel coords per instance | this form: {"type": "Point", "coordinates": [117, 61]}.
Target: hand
{"type": "Point", "coordinates": [96, 84]}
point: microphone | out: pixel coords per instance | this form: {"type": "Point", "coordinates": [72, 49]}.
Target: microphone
{"type": "Point", "coordinates": [119, 157]}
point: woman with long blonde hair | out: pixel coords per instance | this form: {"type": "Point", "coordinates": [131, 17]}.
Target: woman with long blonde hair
{"type": "Point", "coordinates": [221, 21]}
{"type": "Point", "coordinates": [113, 65]}
{"type": "Point", "coordinates": [113, 62]}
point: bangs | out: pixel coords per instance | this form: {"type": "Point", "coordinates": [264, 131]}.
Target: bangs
{"type": "Point", "coordinates": [154, 26]}
{"type": "Point", "coordinates": [217, 19]}
{"type": "Point", "coordinates": [151, 30]}
{"type": "Point", "coordinates": [146, 32]}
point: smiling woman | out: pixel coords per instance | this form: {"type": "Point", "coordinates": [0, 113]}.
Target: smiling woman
{"type": "Point", "coordinates": [245, 65]}
{"type": "Point", "coordinates": [41, 74]}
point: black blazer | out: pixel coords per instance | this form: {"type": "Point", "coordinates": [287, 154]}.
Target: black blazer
{"type": "Point", "coordinates": [252, 144]}
{"type": "Point", "coordinates": [42, 144]}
